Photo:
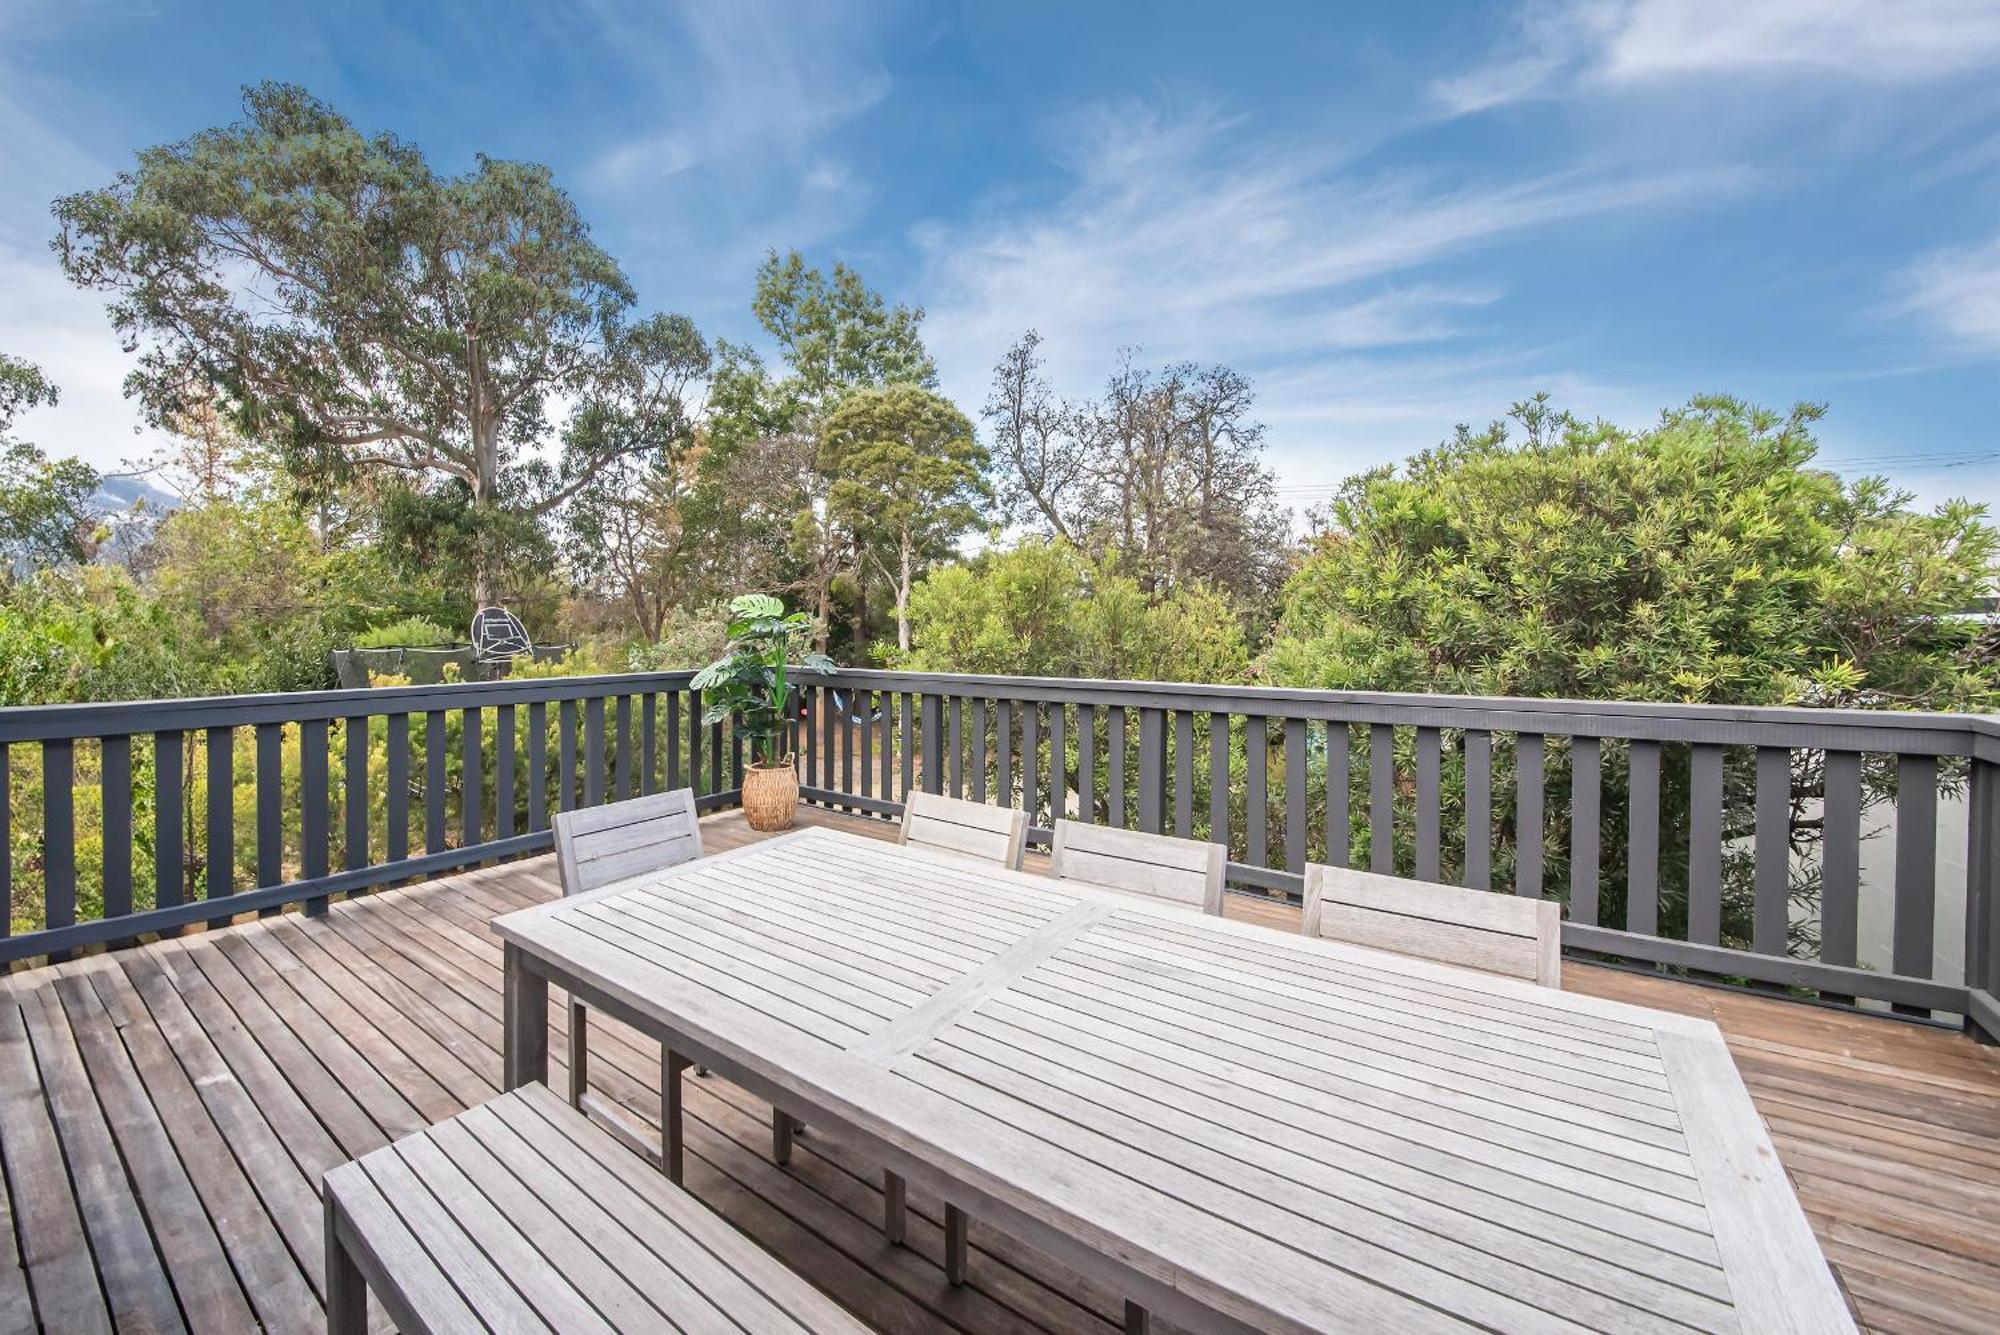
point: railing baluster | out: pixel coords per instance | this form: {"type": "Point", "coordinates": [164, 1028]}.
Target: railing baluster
{"type": "Point", "coordinates": [1477, 744]}
{"type": "Point", "coordinates": [1382, 798]}
{"type": "Point", "coordinates": [270, 804]}
{"type": "Point", "coordinates": [220, 878]}
{"type": "Point", "coordinates": [1058, 761]}
{"type": "Point", "coordinates": [1152, 769]}
{"type": "Point", "coordinates": [471, 778]}
{"type": "Point", "coordinates": [885, 724]}
{"type": "Point", "coordinates": [593, 751]}
{"type": "Point", "coordinates": [1430, 839]}
{"type": "Point", "coordinates": [115, 788]}
{"type": "Point", "coordinates": [826, 713]}
{"type": "Point", "coordinates": [674, 706]}
{"type": "Point", "coordinates": [1219, 781]}
{"type": "Point", "coordinates": [1840, 860]}
{"type": "Point", "coordinates": [566, 756]}
{"type": "Point", "coordinates": [436, 778]}
{"type": "Point", "coordinates": [315, 803]}
{"type": "Point", "coordinates": [1256, 789]}
{"type": "Point", "coordinates": [1031, 760]}
{"type": "Point", "coordinates": [907, 705]}
{"type": "Point", "coordinates": [1705, 844]}
{"type": "Point", "coordinates": [1003, 752]}
{"type": "Point", "coordinates": [1912, 932]}
{"type": "Point", "coordinates": [1528, 815]}
{"type": "Point", "coordinates": [6, 841]}
{"type": "Point", "coordinates": [398, 780]}
{"type": "Point", "coordinates": [865, 711]}
{"type": "Point", "coordinates": [979, 749]}
{"type": "Point", "coordinates": [957, 742]}
{"type": "Point", "coordinates": [503, 771]}
{"type": "Point", "coordinates": [58, 833]}
{"type": "Point", "coordinates": [812, 698]}
{"type": "Point", "coordinates": [1184, 773]}
{"type": "Point", "coordinates": [315, 778]}
{"type": "Point", "coordinates": [933, 743]}
{"type": "Point", "coordinates": [169, 852]}
{"type": "Point", "coordinates": [354, 791]}
{"type": "Point", "coordinates": [538, 766]}
{"type": "Point", "coordinates": [1586, 758]}
{"type": "Point", "coordinates": [1086, 763]}
{"type": "Point", "coordinates": [649, 742]}
{"type": "Point", "coordinates": [1773, 852]}
{"type": "Point", "coordinates": [1339, 832]}
{"type": "Point", "coordinates": [847, 716]}
{"type": "Point", "coordinates": [694, 742]}
{"type": "Point", "coordinates": [1642, 850]}
{"type": "Point", "coordinates": [1295, 795]}
{"type": "Point", "coordinates": [623, 759]}
{"type": "Point", "coordinates": [715, 770]}
{"type": "Point", "coordinates": [1114, 748]}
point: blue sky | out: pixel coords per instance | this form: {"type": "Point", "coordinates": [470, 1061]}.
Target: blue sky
{"type": "Point", "coordinates": [1394, 218]}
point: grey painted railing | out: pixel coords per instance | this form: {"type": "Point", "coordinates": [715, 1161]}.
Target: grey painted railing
{"type": "Point", "coordinates": [1729, 843]}
{"type": "Point", "coordinates": [119, 820]}
{"type": "Point", "coordinates": [1724, 842]}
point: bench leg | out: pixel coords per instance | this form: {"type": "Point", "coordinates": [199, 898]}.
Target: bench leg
{"type": "Point", "coordinates": [579, 1053]}
{"type": "Point", "coordinates": [895, 1208]}
{"type": "Point", "coordinates": [954, 1244]}
{"type": "Point", "coordinates": [781, 1137]}
{"type": "Point", "coordinates": [524, 1056]}
{"type": "Point", "coordinates": [1136, 1320]}
{"type": "Point", "coordinates": [346, 1291]}
{"type": "Point", "coordinates": [672, 1156]}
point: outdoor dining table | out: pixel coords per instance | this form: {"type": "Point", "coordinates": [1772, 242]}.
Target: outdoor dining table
{"type": "Point", "coordinates": [1236, 1128]}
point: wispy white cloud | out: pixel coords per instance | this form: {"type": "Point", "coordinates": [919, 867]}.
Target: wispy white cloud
{"type": "Point", "coordinates": [1957, 291]}
{"type": "Point", "coordinates": [1341, 288]}
{"type": "Point", "coordinates": [1560, 46]}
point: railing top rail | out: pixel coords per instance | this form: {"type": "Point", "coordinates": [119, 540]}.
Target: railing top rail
{"type": "Point", "coordinates": [1856, 729]}
{"type": "Point", "coordinates": [26, 723]}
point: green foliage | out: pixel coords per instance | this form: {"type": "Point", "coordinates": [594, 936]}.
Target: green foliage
{"type": "Point", "coordinates": [1704, 560]}
{"type": "Point", "coordinates": [361, 314]}
{"type": "Point", "coordinates": [45, 516]}
{"type": "Point", "coordinates": [408, 632]}
{"type": "Point", "coordinates": [748, 684]}
{"type": "Point", "coordinates": [89, 633]}
{"type": "Point", "coordinates": [689, 638]}
{"type": "Point", "coordinates": [1044, 609]}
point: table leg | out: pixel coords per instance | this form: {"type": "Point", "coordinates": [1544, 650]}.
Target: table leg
{"type": "Point", "coordinates": [672, 1153]}
{"type": "Point", "coordinates": [895, 1208]}
{"type": "Point", "coordinates": [525, 1004]}
{"type": "Point", "coordinates": [346, 1291]}
{"type": "Point", "coordinates": [781, 1137]}
{"type": "Point", "coordinates": [579, 1053]}
{"type": "Point", "coordinates": [1136, 1320]}
{"type": "Point", "coordinates": [954, 1244]}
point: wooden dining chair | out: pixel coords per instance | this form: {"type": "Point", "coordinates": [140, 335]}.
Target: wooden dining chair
{"type": "Point", "coordinates": [971, 829]}
{"type": "Point", "coordinates": [1478, 929]}
{"type": "Point", "coordinates": [597, 846]}
{"type": "Point", "coordinates": [1187, 871]}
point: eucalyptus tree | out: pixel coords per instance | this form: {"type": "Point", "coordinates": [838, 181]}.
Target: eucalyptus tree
{"type": "Point", "coordinates": [45, 511]}
{"type": "Point", "coordinates": [362, 313]}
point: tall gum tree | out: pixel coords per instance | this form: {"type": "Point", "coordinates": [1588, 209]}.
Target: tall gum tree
{"type": "Point", "coordinates": [361, 313]}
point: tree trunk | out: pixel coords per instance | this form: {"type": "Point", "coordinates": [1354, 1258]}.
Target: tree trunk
{"type": "Point", "coordinates": [485, 504]}
{"type": "Point", "coordinates": [903, 601]}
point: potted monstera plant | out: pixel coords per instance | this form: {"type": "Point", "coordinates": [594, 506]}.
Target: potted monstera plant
{"type": "Point", "coordinates": [749, 686]}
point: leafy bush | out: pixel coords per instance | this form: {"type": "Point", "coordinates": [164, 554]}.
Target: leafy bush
{"type": "Point", "coordinates": [408, 633]}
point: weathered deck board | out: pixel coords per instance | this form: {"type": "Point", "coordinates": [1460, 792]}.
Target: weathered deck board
{"type": "Point", "coordinates": [212, 1079]}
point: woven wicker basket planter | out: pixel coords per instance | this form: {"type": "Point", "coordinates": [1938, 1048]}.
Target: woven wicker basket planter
{"type": "Point", "coordinates": [770, 796]}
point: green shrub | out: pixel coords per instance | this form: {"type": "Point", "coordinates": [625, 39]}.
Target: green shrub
{"type": "Point", "coordinates": [408, 633]}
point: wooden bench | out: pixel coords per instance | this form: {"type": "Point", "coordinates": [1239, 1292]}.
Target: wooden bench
{"type": "Point", "coordinates": [1495, 933]}
{"type": "Point", "coordinates": [522, 1214]}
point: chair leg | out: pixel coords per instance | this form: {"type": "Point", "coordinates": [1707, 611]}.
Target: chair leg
{"type": "Point", "coordinates": [1136, 1320]}
{"type": "Point", "coordinates": [579, 1053]}
{"type": "Point", "coordinates": [954, 1244]}
{"type": "Point", "coordinates": [672, 1154]}
{"type": "Point", "coordinates": [781, 1137]}
{"type": "Point", "coordinates": [895, 1208]}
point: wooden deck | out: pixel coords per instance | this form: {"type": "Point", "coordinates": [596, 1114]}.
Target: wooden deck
{"type": "Point", "coordinates": [166, 1113]}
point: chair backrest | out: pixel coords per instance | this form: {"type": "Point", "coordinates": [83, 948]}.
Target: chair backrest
{"type": "Point", "coordinates": [1479, 929]}
{"type": "Point", "coordinates": [974, 829]}
{"type": "Point", "coordinates": [1185, 870]}
{"type": "Point", "coordinates": [598, 845]}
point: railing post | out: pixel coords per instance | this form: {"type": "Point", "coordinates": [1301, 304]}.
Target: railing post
{"type": "Point", "coordinates": [1982, 911]}
{"type": "Point", "coordinates": [933, 744]}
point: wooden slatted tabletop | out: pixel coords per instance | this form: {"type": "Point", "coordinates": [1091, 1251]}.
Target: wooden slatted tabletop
{"type": "Point", "coordinates": [1236, 1128]}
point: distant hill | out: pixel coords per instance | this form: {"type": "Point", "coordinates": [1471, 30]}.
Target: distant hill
{"type": "Point", "coordinates": [130, 507]}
